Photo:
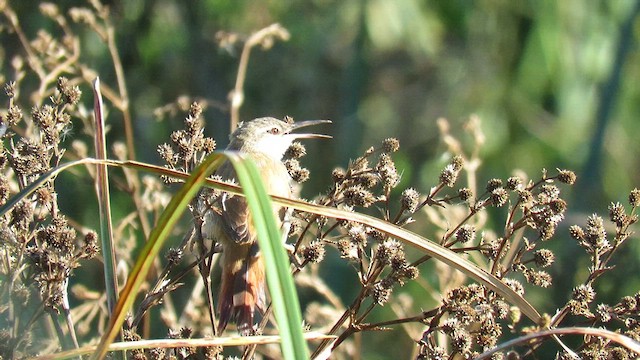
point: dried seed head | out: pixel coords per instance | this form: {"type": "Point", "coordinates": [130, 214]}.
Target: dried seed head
{"type": "Point", "coordinates": [634, 198]}
{"type": "Point", "coordinates": [449, 176]}
{"type": "Point", "coordinates": [90, 248]}
{"type": "Point", "coordinates": [398, 261]}
{"type": "Point", "coordinates": [70, 93]}
{"type": "Point", "coordinates": [358, 234]}
{"type": "Point", "coordinates": [538, 278]}
{"type": "Point", "coordinates": [499, 197]}
{"type": "Point", "coordinates": [525, 197]}
{"type": "Point", "coordinates": [14, 115]}
{"type": "Point", "coordinates": [466, 233]}
{"type": "Point", "coordinates": [376, 234]}
{"type": "Point", "coordinates": [195, 110]}
{"type": "Point", "coordinates": [461, 340]}
{"type": "Point", "coordinates": [410, 272]}
{"type": "Point", "coordinates": [489, 247]}
{"type": "Point", "coordinates": [166, 153]}
{"type": "Point", "coordinates": [566, 177]}
{"type": "Point", "coordinates": [358, 196]}
{"type": "Point", "coordinates": [348, 249]}
{"type": "Point", "coordinates": [595, 232]}
{"type": "Point", "coordinates": [493, 184]}
{"type": "Point", "coordinates": [500, 308]}
{"type": "Point", "coordinates": [548, 193]}
{"type": "Point", "coordinates": [558, 206]}
{"type": "Point", "coordinates": [5, 189]}
{"type": "Point", "coordinates": [174, 255]}
{"type": "Point", "coordinates": [514, 183]}
{"type": "Point", "coordinates": [584, 293]}
{"type": "Point", "coordinates": [387, 250]}
{"type": "Point", "coordinates": [457, 162]}
{"type": "Point", "coordinates": [603, 312]}
{"type": "Point", "coordinates": [295, 151]}
{"type": "Point", "coordinates": [390, 145]}
{"type": "Point", "coordinates": [409, 199]}
{"type": "Point", "coordinates": [617, 214]}
{"type": "Point", "coordinates": [627, 304]}
{"type": "Point", "coordinates": [10, 89]}
{"type": "Point", "coordinates": [208, 145]}
{"type": "Point", "coordinates": [576, 232]}
{"type": "Point", "coordinates": [465, 194]}
{"type": "Point", "coordinates": [515, 285]}
{"type": "Point", "coordinates": [388, 172]}
{"type": "Point", "coordinates": [314, 252]}
{"type": "Point", "coordinates": [381, 292]}
{"type": "Point", "coordinates": [297, 173]}
{"type": "Point", "coordinates": [368, 179]}
{"type": "Point", "coordinates": [338, 174]}
{"type": "Point", "coordinates": [544, 257]}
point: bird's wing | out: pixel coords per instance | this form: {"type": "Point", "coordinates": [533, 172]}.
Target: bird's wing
{"type": "Point", "coordinates": [236, 219]}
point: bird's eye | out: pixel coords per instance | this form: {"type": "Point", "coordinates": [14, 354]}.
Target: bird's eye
{"type": "Point", "coordinates": [274, 131]}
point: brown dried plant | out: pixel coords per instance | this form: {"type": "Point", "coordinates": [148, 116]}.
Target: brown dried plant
{"type": "Point", "coordinates": [503, 226]}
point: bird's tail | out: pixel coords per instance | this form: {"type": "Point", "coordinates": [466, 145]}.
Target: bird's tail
{"type": "Point", "coordinates": [242, 287]}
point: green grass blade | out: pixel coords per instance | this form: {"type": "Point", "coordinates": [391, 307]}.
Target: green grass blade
{"type": "Point", "coordinates": [279, 279]}
{"type": "Point", "coordinates": [104, 202]}
{"type": "Point", "coordinates": [159, 234]}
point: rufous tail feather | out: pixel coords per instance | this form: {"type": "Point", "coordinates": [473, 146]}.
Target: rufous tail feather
{"type": "Point", "coordinates": [242, 288]}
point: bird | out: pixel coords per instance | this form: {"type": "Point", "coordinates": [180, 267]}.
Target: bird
{"type": "Point", "coordinates": [242, 287]}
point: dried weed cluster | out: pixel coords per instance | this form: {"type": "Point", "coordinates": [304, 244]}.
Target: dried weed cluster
{"type": "Point", "coordinates": [41, 248]}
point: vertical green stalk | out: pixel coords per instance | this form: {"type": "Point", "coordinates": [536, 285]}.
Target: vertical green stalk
{"type": "Point", "coordinates": [104, 203]}
{"type": "Point", "coordinates": [279, 279]}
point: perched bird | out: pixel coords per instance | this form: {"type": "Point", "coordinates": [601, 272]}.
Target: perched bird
{"type": "Point", "coordinates": [242, 289]}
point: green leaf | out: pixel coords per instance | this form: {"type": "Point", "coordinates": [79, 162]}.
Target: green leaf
{"type": "Point", "coordinates": [279, 279]}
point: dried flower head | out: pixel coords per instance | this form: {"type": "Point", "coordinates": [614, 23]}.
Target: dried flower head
{"type": "Point", "coordinates": [387, 250]}
{"type": "Point", "coordinates": [538, 278]}
{"type": "Point", "coordinates": [493, 184]}
{"type": "Point", "coordinates": [390, 145]}
{"type": "Point", "coordinates": [382, 292]}
{"type": "Point", "coordinates": [297, 173]}
{"type": "Point", "coordinates": [576, 232]}
{"type": "Point", "coordinates": [634, 197]}
{"type": "Point", "coordinates": [617, 214]}
{"type": "Point", "coordinates": [409, 199]}
{"type": "Point", "coordinates": [174, 255]}
{"type": "Point", "coordinates": [566, 177]}
{"type": "Point", "coordinates": [543, 257]}
{"type": "Point", "coordinates": [358, 196]}
{"type": "Point", "coordinates": [449, 176]}
{"type": "Point", "coordinates": [295, 151]}
{"type": "Point", "coordinates": [457, 162]}
{"type": "Point", "coordinates": [499, 197]}
{"type": "Point", "coordinates": [314, 252]}
{"type": "Point", "coordinates": [358, 234]}
{"type": "Point", "coordinates": [388, 172]}
{"type": "Point", "coordinates": [514, 183]}
{"type": "Point", "coordinates": [466, 233]}
{"type": "Point", "coordinates": [13, 116]}
{"type": "Point", "coordinates": [584, 293]}
{"type": "Point", "coordinates": [348, 249]}
{"type": "Point", "coordinates": [338, 174]}
{"type": "Point", "coordinates": [10, 89]}
{"type": "Point", "coordinates": [465, 194]}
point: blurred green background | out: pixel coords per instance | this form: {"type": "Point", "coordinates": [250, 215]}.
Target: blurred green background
{"type": "Point", "coordinates": [555, 84]}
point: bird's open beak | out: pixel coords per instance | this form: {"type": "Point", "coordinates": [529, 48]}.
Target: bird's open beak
{"type": "Point", "coordinates": [301, 124]}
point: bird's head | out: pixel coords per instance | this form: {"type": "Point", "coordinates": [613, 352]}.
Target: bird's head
{"type": "Point", "coordinates": [270, 136]}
